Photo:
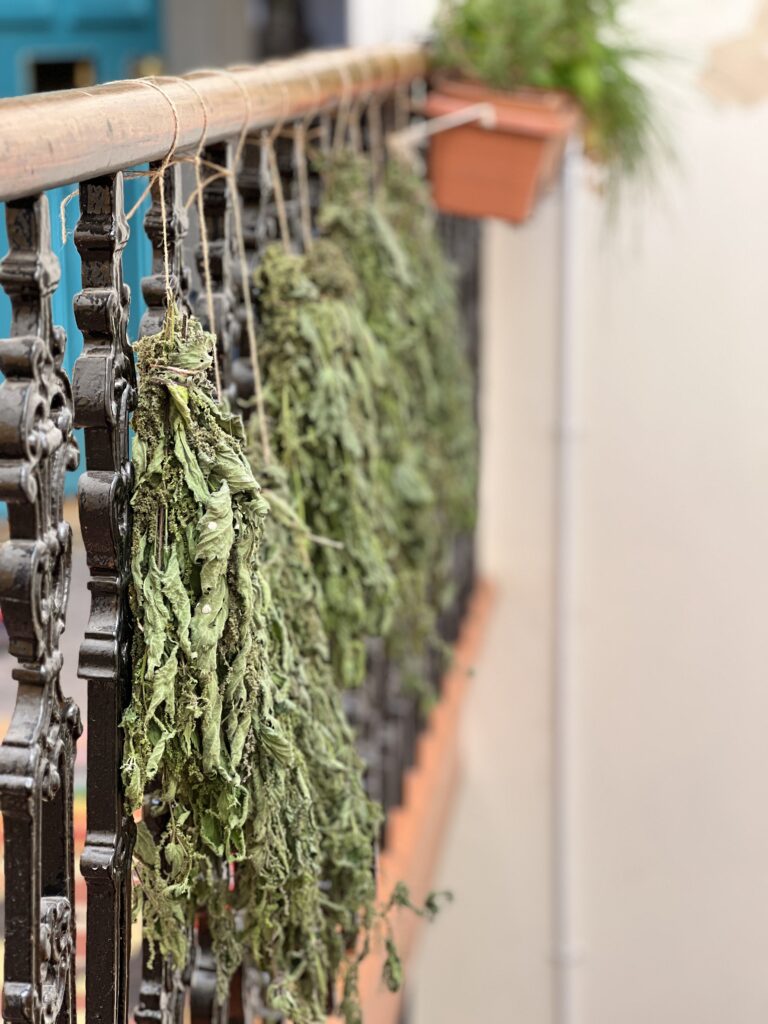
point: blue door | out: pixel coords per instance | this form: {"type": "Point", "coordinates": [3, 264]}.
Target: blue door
{"type": "Point", "coordinates": [60, 44]}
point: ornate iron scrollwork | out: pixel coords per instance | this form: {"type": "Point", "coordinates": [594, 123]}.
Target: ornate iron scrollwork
{"type": "Point", "coordinates": [104, 385]}
{"type": "Point", "coordinates": [37, 755]}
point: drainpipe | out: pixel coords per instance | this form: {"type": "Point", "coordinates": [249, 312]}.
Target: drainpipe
{"type": "Point", "coordinates": [565, 953]}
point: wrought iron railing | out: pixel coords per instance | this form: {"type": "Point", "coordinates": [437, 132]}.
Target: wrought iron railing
{"type": "Point", "coordinates": [90, 138]}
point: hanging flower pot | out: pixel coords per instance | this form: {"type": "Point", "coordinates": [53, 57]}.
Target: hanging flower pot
{"type": "Point", "coordinates": [500, 170]}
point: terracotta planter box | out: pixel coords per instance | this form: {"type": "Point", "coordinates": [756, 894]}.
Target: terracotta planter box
{"type": "Point", "coordinates": [501, 171]}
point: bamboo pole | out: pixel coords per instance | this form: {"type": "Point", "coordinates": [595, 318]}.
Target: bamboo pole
{"type": "Point", "coordinates": [57, 138]}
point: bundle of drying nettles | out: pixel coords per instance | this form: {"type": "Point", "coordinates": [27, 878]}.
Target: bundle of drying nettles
{"type": "Point", "coordinates": [449, 405]}
{"type": "Point", "coordinates": [410, 308]}
{"type": "Point", "coordinates": [322, 370]}
{"type": "Point", "coordinates": [348, 822]}
{"type": "Point", "coordinates": [236, 727]}
{"type": "Point", "coordinates": [212, 731]}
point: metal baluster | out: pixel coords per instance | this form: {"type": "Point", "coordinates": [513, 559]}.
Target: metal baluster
{"type": "Point", "coordinates": [204, 1006]}
{"type": "Point", "coordinates": [285, 153]}
{"type": "Point", "coordinates": [104, 386]}
{"type": "Point", "coordinates": [250, 187]}
{"type": "Point", "coordinates": [154, 287]}
{"type": "Point", "coordinates": [318, 141]}
{"type": "Point", "coordinates": [37, 755]}
{"type": "Point", "coordinates": [218, 215]}
{"type": "Point", "coordinates": [163, 989]}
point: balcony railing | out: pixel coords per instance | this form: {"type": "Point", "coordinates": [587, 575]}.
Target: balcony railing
{"type": "Point", "coordinates": [90, 138]}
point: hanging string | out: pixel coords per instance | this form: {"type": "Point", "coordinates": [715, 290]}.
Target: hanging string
{"type": "Point", "coordinates": [376, 138]}
{"type": "Point", "coordinates": [63, 212]}
{"type": "Point", "coordinates": [245, 284]}
{"type": "Point", "coordinates": [342, 116]}
{"type": "Point", "coordinates": [204, 246]}
{"type": "Point", "coordinates": [160, 177]}
{"type": "Point", "coordinates": [355, 128]}
{"type": "Point", "coordinates": [268, 141]}
{"type": "Point", "coordinates": [360, 106]}
{"type": "Point", "coordinates": [299, 137]}
{"type": "Point", "coordinates": [274, 173]}
{"type": "Point", "coordinates": [230, 174]}
{"type": "Point", "coordinates": [301, 154]}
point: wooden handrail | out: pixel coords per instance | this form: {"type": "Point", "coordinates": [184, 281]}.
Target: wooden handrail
{"type": "Point", "coordinates": [88, 137]}
{"type": "Point", "coordinates": [51, 139]}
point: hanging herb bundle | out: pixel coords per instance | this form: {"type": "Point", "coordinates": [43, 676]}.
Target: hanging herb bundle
{"type": "Point", "coordinates": [211, 729]}
{"type": "Point", "coordinates": [451, 431]}
{"type": "Point", "coordinates": [236, 727]}
{"type": "Point", "coordinates": [322, 368]}
{"type": "Point", "coordinates": [347, 820]}
{"type": "Point", "coordinates": [398, 302]}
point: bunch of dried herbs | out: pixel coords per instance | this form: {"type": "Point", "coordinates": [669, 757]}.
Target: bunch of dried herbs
{"type": "Point", "coordinates": [347, 820]}
{"type": "Point", "coordinates": [249, 625]}
{"type": "Point", "coordinates": [449, 406]}
{"type": "Point", "coordinates": [423, 401]}
{"type": "Point", "coordinates": [211, 729]}
{"type": "Point", "coordinates": [236, 727]}
{"type": "Point", "coordinates": [322, 369]}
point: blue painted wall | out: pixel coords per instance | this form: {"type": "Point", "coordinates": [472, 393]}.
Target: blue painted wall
{"type": "Point", "coordinates": [113, 36]}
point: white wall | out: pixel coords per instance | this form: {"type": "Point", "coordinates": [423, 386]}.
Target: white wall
{"type": "Point", "coordinates": [381, 21]}
{"type": "Point", "coordinates": [673, 660]}
{"type": "Point", "coordinates": [671, 588]}
{"type": "Point", "coordinates": [670, 664]}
